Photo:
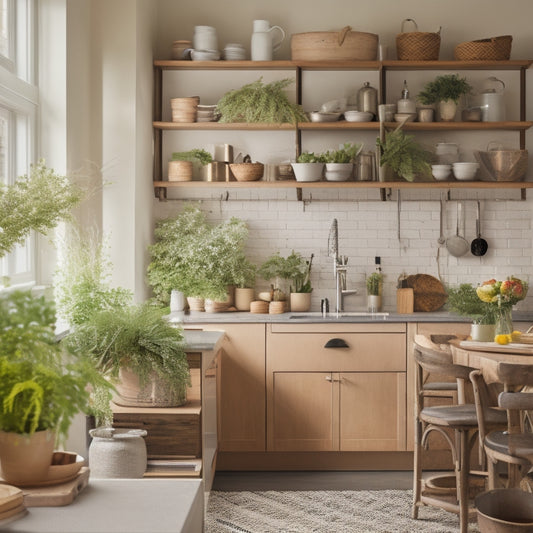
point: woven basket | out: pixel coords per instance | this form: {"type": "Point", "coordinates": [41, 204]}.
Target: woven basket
{"type": "Point", "coordinates": [417, 45]}
{"type": "Point", "coordinates": [179, 170]}
{"type": "Point", "coordinates": [492, 49]}
{"type": "Point", "coordinates": [247, 171]}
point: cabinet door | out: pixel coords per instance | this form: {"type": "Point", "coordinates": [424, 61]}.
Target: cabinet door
{"type": "Point", "coordinates": [301, 417]}
{"type": "Point", "coordinates": [241, 388]}
{"type": "Point", "coordinates": [372, 411]}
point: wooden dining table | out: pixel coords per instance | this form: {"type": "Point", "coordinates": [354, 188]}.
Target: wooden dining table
{"type": "Point", "coordinates": [487, 355]}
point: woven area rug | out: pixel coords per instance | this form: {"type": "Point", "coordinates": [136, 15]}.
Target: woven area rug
{"type": "Point", "coordinates": [379, 511]}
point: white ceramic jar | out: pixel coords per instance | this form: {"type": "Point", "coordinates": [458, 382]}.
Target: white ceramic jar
{"type": "Point", "coordinates": [205, 38]}
{"type": "Point", "coordinates": [117, 453]}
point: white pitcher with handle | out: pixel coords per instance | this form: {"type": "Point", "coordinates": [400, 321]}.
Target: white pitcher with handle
{"type": "Point", "coordinates": [263, 46]}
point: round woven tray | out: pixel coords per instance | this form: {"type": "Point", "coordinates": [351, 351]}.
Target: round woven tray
{"type": "Point", "coordinates": [429, 292]}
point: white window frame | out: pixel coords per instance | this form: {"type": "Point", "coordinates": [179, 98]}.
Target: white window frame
{"type": "Point", "coordinates": [19, 100]}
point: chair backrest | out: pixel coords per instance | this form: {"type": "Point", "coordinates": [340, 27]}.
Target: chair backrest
{"type": "Point", "coordinates": [514, 375]}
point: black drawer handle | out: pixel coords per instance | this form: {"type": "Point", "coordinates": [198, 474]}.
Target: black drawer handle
{"type": "Point", "coordinates": [336, 343]}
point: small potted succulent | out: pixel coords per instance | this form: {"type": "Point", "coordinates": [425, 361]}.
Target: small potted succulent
{"type": "Point", "coordinates": [445, 91]}
{"type": "Point", "coordinates": [374, 291]}
{"type": "Point", "coordinates": [309, 166]}
{"type": "Point", "coordinates": [339, 163]}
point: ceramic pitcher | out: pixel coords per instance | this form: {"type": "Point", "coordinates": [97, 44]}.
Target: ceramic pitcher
{"type": "Point", "coordinates": [263, 46]}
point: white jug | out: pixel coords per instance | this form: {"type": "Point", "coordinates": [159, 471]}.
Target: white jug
{"type": "Point", "coordinates": [262, 45]}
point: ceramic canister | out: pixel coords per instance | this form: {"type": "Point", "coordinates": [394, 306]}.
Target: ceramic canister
{"type": "Point", "coordinates": [117, 453]}
{"type": "Point", "coordinates": [205, 38]}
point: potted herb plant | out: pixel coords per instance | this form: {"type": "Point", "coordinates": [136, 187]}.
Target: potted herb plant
{"type": "Point", "coordinates": [464, 301]}
{"type": "Point", "coordinates": [301, 289]}
{"type": "Point", "coordinates": [182, 166]}
{"type": "Point", "coordinates": [399, 153]}
{"type": "Point", "coordinates": [445, 91]}
{"type": "Point", "coordinates": [309, 166]}
{"type": "Point", "coordinates": [374, 291]}
{"type": "Point", "coordinates": [139, 350]}
{"type": "Point", "coordinates": [244, 279]}
{"type": "Point", "coordinates": [200, 259]}
{"type": "Point", "coordinates": [42, 387]}
{"type": "Point", "coordinates": [339, 163]}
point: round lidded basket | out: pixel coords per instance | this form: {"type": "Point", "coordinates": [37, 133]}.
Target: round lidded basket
{"type": "Point", "coordinates": [491, 49]}
{"type": "Point", "coordinates": [417, 45]}
{"type": "Point", "coordinates": [180, 170]}
{"type": "Point", "coordinates": [247, 171]}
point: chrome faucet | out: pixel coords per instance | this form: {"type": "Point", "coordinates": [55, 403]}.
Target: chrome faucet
{"type": "Point", "coordinates": [339, 267]}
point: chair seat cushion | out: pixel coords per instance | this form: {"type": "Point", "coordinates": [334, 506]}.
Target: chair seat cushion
{"type": "Point", "coordinates": [457, 416]}
{"type": "Point", "coordinates": [516, 445]}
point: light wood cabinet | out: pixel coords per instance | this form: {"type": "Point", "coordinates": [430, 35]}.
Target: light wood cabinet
{"type": "Point", "coordinates": [241, 387]}
{"type": "Point", "coordinates": [332, 389]}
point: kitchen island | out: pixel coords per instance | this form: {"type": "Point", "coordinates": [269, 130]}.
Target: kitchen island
{"type": "Point", "coordinates": [288, 401]}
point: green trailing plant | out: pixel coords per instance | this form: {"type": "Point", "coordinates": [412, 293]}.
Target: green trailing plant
{"type": "Point", "coordinates": [196, 155]}
{"type": "Point", "coordinates": [294, 268]}
{"type": "Point", "coordinates": [260, 102]}
{"type": "Point", "coordinates": [198, 258]}
{"type": "Point", "coordinates": [464, 301]}
{"type": "Point", "coordinates": [82, 279]}
{"type": "Point", "coordinates": [137, 337]}
{"type": "Point", "coordinates": [374, 283]}
{"type": "Point", "coordinates": [42, 385]}
{"type": "Point", "coordinates": [346, 154]}
{"type": "Point", "coordinates": [310, 157]}
{"type": "Point", "coordinates": [445, 87]}
{"type": "Point", "coordinates": [36, 201]}
{"type": "Point", "coordinates": [404, 156]}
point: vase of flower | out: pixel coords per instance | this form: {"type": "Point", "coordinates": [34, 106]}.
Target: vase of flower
{"type": "Point", "coordinates": [504, 320]}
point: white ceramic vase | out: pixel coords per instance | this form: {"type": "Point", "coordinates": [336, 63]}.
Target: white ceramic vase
{"type": "Point", "coordinates": [447, 110]}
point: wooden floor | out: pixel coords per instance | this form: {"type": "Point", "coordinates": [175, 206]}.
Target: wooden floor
{"type": "Point", "coordinates": [262, 481]}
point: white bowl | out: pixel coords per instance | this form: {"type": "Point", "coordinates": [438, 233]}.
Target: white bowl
{"type": "Point", "coordinates": [441, 172]}
{"type": "Point", "coordinates": [408, 117]}
{"type": "Point", "coordinates": [205, 55]}
{"type": "Point", "coordinates": [320, 116]}
{"type": "Point", "coordinates": [358, 116]}
{"type": "Point", "coordinates": [465, 171]}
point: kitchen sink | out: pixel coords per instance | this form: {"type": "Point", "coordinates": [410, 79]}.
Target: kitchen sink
{"type": "Point", "coordinates": [343, 314]}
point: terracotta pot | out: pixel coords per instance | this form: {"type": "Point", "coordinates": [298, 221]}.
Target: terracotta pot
{"type": "Point", "coordinates": [26, 459]}
{"type": "Point", "coordinates": [155, 393]}
{"type": "Point", "coordinates": [243, 298]}
{"type": "Point", "coordinates": [196, 304]}
{"type": "Point", "coordinates": [300, 301]}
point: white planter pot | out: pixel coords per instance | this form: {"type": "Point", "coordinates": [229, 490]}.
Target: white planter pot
{"type": "Point", "coordinates": [483, 332]}
{"type": "Point", "coordinates": [447, 110]}
{"type": "Point", "coordinates": [373, 303]}
{"type": "Point", "coordinates": [339, 171]}
{"type": "Point", "coordinates": [308, 171]}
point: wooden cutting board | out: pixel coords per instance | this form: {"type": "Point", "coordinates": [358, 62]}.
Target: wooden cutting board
{"type": "Point", "coordinates": [430, 294]}
{"type": "Point", "coordinates": [56, 495]}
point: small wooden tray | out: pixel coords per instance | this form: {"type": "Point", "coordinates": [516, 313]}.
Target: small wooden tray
{"type": "Point", "coordinates": [56, 495]}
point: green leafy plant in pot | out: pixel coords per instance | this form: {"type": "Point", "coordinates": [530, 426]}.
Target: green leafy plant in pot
{"type": "Point", "coordinates": [374, 290]}
{"type": "Point", "coordinates": [445, 90]}
{"type": "Point", "coordinates": [196, 257]}
{"type": "Point", "coordinates": [42, 386]}
{"type": "Point", "coordinates": [184, 165]}
{"type": "Point", "coordinates": [139, 350]}
{"type": "Point", "coordinates": [464, 300]}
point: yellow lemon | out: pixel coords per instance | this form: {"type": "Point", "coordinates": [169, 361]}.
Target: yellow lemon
{"type": "Point", "coordinates": [515, 336]}
{"type": "Point", "coordinates": [501, 339]}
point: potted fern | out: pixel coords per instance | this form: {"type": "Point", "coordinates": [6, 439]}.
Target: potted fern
{"type": "Point", "coordinates": [445, 90]}
{"type": "Point", "coordinates": [42, 387]}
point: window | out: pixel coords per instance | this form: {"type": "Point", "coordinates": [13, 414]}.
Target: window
{"type": "Point", "coordinates": [18, 112]}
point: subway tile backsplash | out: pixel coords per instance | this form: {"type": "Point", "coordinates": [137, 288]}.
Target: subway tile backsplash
{"type": "Point", "coordinates": [368, 227]}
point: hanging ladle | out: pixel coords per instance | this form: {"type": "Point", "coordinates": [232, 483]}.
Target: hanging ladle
{"type": "Point", "coordinates": [479, 245]}
{"type": "Point", "coordinates": [457, 245]}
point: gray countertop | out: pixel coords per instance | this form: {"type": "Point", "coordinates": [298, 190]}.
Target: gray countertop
{"type": "Point", "coordinates": [314, 317]}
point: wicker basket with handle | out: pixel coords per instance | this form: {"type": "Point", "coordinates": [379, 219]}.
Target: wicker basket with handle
{"type": "Point", "coordinates": [417, 45]}
{"type": "Point", "coordinates": [492, 49]}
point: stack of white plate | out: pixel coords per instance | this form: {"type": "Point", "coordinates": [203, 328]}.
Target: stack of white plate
{"type": "Point", "coordinates": [234, 52]}
{"type": "Point", "coordinates": [206, 113]}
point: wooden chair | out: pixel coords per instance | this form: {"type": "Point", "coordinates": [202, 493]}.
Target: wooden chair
{"type": "Point", "coordinates": [458, 424]}
{"type": "Point", "coordinates": [513, 446]}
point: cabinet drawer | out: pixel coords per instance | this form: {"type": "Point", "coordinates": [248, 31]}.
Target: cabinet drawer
{"type": "Point", "coordinates": [364, 352]}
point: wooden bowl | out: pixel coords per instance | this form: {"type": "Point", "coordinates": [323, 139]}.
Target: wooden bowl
{"type": "Point", "coordinates": [247, 171]}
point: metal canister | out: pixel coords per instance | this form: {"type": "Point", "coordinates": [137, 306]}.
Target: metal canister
{"type": "Point", "coordinates": [367, 99]}
{"type": "Point", "coordinates": [366, 167]}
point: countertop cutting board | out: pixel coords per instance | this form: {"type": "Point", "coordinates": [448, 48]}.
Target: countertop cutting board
{"type": "Point", "coordinates": [512, 347]}
{"type": "Point", "coordinates": [56, 495]}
